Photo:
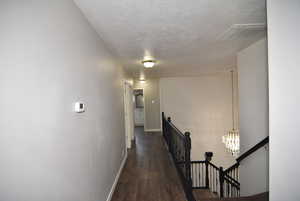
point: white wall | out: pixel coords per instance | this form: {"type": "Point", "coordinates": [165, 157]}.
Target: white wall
{"type": "Point", "coordinates": [50, 57]}
{"type": "Point", "coordinates": [152, 103]}
{"type": "Point", "coordinates": [254, 116]}
{"type": "Point", "coordinates": [284, 93]}
{"type": "Point", "coordinates": [202, 106]}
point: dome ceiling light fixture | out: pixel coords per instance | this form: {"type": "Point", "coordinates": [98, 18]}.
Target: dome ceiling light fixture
{"type": "Point", "coordinates": [148, 63]}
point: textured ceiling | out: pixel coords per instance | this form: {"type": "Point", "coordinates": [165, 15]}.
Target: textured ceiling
{"type": "Point", "coordinates": [183, 36]}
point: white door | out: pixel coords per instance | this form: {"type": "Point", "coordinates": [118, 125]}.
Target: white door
{"type": "Point", "coordinates": [129, 119]}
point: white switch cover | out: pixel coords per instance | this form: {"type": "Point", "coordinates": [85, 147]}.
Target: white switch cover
{"type": "Point", "coordinates": [79, 107]}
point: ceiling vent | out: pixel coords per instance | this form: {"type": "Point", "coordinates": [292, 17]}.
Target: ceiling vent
{"type": "Point", "coordinates": [242, 30]}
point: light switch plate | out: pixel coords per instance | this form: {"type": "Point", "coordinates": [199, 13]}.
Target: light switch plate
{"type": "Point", "coordinates": [79, 107]}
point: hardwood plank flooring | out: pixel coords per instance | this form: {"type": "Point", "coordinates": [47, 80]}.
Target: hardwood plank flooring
{"type": "Point", "coordinates": [149, 173]}
{"type": "Point", "coordinates": [203, 194]}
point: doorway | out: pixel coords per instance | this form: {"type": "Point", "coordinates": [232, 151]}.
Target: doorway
{"type": "Point", "coordinates": [139, 108]}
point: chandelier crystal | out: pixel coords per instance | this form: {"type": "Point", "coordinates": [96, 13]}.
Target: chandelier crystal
{"type": "Point", "coordinates": [232, 141]}
{"type": "Point", "coordinates": [232, 138]}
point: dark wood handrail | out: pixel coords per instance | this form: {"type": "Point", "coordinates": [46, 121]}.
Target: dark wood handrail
{"type": "Point", "coordinates": [237, 186]}
{"type": "Point", "coordinates": [197, 161]}
{"type": "Point", "coordinates": [232, 180]}
{"type": "Point", "coordinates": [214, 166]}
{"type": "Point", "coordinates": [178, 132]}
{"type": "Point", "coordinates": [253, 149]}
{"type": "Point", "coordinates": [236, 165]}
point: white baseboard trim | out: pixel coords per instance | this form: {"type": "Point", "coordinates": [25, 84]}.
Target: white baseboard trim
{"type": "Point", "coordinates": [112, 190]}
{"type": "Point", "coordinates": [152, 130]}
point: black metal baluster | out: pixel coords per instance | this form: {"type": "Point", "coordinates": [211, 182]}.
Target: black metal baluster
{"type": "Point", "coordinates": [210, 177]}
{"type": "Point", "coordinates": [206, 174]}
{"type": "Point", "coordinates": [213, 179]}
{"type": "Point", "coordinates": [228, 190]}
{"type": "Point", "coordinates": [192, 167]}
{"type": "Point", "coordinates": [202, 175]}
{"type": "Point", "coordinates": [215, 183]}
{"type": "Point", "coordinates": [198, 175]}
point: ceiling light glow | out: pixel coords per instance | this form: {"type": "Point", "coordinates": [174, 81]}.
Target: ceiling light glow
{"type": "Point", "coordinates": [148, 63]}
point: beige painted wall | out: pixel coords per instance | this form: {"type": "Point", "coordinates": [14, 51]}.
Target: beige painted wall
{"type": "Point", "coordinates": [254, 116]}
{"type": "Point", "coordinates": [152, 103]}
{"type": "Point", "coordinates": [202, 106]}
{"type": "Point", "coordinates": [50, 57]}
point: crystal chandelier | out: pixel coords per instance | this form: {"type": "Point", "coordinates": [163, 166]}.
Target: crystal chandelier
{"type": "Point", "coordinates": [232, 141]}
{"type": "Point", "coordinates": [232, 138]}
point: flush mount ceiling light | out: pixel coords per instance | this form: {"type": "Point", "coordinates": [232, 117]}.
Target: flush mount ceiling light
{"type": "Point", "coordinates": [148, 63]}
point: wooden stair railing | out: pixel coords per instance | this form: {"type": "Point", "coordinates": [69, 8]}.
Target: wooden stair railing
{"type": "Point", "coordinates": [232, 173]}
{"type": "Point", "coordinates": [202, 174]}
{"type": "Point", "coordinates": [253, 149]}
{"type": "Point", "coordinates": [179, 146]}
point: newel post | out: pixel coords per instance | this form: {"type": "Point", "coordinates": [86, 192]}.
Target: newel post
{"type": "Point", "coordinates": [208, 156]}
{"type": "Point", "coordinates": [188, 162]}
{"type": "Point", "coordinates": [169, 119]}
{"type": "Point", "coordinates": [221, 178]}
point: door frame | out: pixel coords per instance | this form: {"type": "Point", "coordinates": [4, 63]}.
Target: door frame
{"type": "Point", "coordinates": [128, 114]}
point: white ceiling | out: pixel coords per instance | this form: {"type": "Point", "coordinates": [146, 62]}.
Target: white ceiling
{"type": "Point", "coordinates": [185, 37]}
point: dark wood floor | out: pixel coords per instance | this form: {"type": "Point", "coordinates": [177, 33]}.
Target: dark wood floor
{"type": "Point", "coordinates": [149, 174]}
{"type": "Point", "coordinates": [203, 194]}
{"type": "Point", "coordinates": [258, 197]}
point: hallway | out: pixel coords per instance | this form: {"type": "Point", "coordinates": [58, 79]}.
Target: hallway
{"type": "Point", "coordinates": [149, 173]}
